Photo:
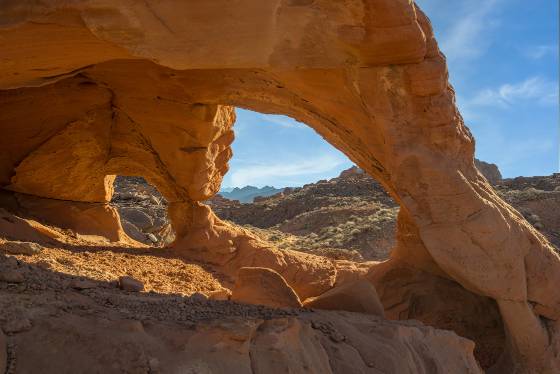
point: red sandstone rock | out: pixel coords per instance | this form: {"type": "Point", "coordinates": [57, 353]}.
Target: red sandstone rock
{"type": "Point", "coordinates": [358, 296]}
{"type": "Point", "coordinates": [223, 294]}
{"type": "Point", "coordinates": [147, 89]}
{"type": "Point", "coordinates": [127, 283]}
{"type": "Point", "coordinates": [263, 287]}
{"type": "Point", "coordinates": [21, 248]}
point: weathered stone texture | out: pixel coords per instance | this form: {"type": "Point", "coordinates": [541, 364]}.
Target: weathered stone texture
{"type": "Point", "coordinates": [93, 89]}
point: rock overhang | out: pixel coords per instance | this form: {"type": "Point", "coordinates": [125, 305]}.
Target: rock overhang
{"type": "Point", "coordinates": [146, 89]}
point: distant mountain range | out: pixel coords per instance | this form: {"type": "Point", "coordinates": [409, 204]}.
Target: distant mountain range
{"type": "Point", "coordinates": [248, 193]}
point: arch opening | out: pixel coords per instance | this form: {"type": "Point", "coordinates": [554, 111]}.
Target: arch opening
{"type": "Point", "coordinates": [186, 151]}
{"type": "Point", "coordinates": [142, 211]}
{"type": "Point", "coordinates": [406, 292]}
{"type": "Point", "coordinates": [290, 186]}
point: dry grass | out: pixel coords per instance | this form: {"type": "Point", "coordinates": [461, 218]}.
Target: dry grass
{"type": "Point", "coordinates": [354, 239]}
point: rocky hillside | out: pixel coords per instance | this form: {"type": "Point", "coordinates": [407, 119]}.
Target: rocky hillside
{"type": "Point", "coordinates": [538, 199]}
{"type": "Point", "coordinates": [352, 217]}
{"type": "Point", "coordinates": [346, 217]}
{"type": "Point", "coordinates": [143, 211]}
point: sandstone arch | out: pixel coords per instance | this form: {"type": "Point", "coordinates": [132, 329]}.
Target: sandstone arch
{"type": "Point", "coordinates": [133, 88]}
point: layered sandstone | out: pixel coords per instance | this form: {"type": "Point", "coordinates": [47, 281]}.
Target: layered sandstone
{"type": "Point", "coordinates": [93, 89]}
{"type": "Point", "coordinates": [99, 328]}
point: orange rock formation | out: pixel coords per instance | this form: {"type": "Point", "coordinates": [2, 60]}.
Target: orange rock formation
{"type": "Point", "coordinates": [91, 89]}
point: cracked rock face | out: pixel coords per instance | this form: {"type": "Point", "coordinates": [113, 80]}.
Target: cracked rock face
{"type": "Point", "coordinates": [93, 89]}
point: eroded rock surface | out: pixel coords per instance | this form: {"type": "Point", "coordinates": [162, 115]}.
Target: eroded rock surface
{"type": "Point", "coordinates": [359, 296]}
{"type": "Point", "coordinates": [102, 329]}
{"type": "Point", "coordinates": [262, 286]}
{"type": "Point", "coordinates": [490, 171]}
{"type": "Point", "coordinates": [148, 89]}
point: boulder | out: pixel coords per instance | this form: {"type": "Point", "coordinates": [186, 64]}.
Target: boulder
{"type": "Point", "coordinates": [263, 286]}
{"type": "Point", "coordinates": [21, 248]}
{"type": "Point", "coordinates": [133, 231]}
{"type": "Point", "coordinates": [137, 217]}
{"type": "Point", "coordinates": [359, 296]}
{"type": "Point", "coordinates": [130, 284]}
{"type": "Point", "coordinates": [199, 297]}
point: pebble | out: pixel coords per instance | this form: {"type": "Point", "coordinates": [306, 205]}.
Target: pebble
{"type": "Point", "coordinates": [127, 283]}
{"type": "Point", "coordinates": [21, 248]}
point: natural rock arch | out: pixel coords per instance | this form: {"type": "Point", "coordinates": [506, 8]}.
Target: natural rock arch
{"type": "Point", "coordinates": [96, 88]}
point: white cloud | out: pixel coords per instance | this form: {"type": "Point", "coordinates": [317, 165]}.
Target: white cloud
{"type": "Point", "coordinates": [283, 121]}
{"type": "Point", "coordinates": [468, 37]}
{"type": "Point", "coordinates": [536, 89]}
{"type": "Point", "coordinates": [259, 174]}
{"type": "Point", "coordinates": [246, 120]}
{"type": "Point", "coordinates": [540, 51]}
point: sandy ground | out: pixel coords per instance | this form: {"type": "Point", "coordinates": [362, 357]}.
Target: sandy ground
{"type": "Point", "coordinates": [156, 268]}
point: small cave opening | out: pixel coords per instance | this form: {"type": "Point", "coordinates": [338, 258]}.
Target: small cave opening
{"type": "Point", "coordinates": [142, 211]}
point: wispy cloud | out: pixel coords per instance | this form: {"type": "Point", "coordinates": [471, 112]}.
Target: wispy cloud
{"type": "Point", "coordinates": [280, 120]}
{"type": "Point", "coordinates": [540, 51]}
{"type": "Point", "coordinates": [259, 174]}
{"type": "Point", "coordinates": [246, 120]}
{"type": "Point", "coordinates": [535, 89]}
{"type": "Point", "coordinates": [468, 37]}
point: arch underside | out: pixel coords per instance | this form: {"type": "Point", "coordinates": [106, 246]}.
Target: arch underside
{"type": "Point", "coordinates": [110, 98]}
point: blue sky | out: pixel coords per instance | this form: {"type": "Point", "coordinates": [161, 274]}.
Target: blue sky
{"type": "Point", "coordinates": [503, 63]}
